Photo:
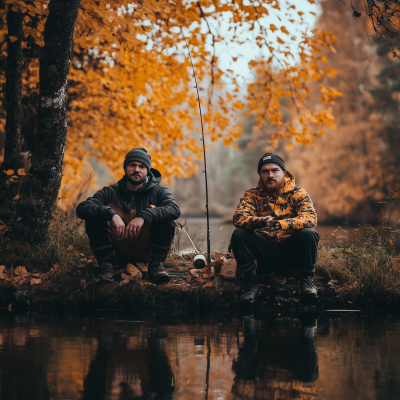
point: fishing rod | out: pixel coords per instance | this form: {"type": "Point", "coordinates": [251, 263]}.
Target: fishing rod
{"type": "Point", "coordinates": [204, 156]}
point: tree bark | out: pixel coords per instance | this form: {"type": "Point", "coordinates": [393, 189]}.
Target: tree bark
{"type": "Point", "coordinates": [34, 211]}
{"type": "Point", "coordinates": [12, 150]}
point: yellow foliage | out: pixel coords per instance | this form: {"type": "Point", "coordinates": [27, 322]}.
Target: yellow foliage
{"type": "Point", "coordinates": [130, 83]}
{"type": "Point", "coordinates": [289, 86]}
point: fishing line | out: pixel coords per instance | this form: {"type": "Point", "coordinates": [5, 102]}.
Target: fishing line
{"type": "Point", "coordinates": [204, 156]}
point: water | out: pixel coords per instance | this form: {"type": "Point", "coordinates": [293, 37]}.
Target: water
{"type": "Point", "coordinates": [221, 233]}
{"type": "Point", "coordinates": [114, 356]}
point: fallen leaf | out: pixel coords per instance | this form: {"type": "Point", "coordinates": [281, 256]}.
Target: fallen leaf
{"type": "Point", "coordinates": [149, 284]}
{"type": "Point", "coordinates": [10, 172]}
{"type": "Point", "coordinates": [19, 271]}
{"type": "Point", "coordinates": [10, 307]}
{"type": "Point", "coordinates": [70, 247]}
{"type": "Point", "coordinates": [195, 272]}
{"type": "Point", "coordinates": [21, 172]}
{"type": "Point", "coordinates": [16, 197]}
{"type": "Point", "coordinates": [142, 266]}
{"type": "Point", "coordinates": [124, 282]}
{"type": "Point", "coordinates": [56, 267]}
{"type": "Point", "coordinates": [133, 271]}
{"type": "Point", "coordinates": [124, 276]}
{"type": "Point", "coordinates": [82, 255]}
{"type": "Point", "coordinates": [35, 281]}
{"type": "Point", "coordinates": [208, 284]}
{"type": "Point", "coordinates": [350, 302]}
{"type": "Point", "coordinates": [296, 301]}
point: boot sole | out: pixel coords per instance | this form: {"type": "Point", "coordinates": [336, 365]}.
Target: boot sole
{"type": "Point", "coordinates": [309, 296]}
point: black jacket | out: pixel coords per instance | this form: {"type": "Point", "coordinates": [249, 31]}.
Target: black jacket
{"type": "Point", "coordinates": [151, 193]}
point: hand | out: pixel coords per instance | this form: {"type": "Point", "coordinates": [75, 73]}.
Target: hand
{"type": "Point", "coordinates": [270, 222]}
{"type": "Point", "coordinates": [134, 227]}
{"type": "Point", "coordinates": [119, 226]}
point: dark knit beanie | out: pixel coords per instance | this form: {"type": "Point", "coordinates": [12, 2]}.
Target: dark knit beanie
{"type": "Point", "coordinates": [138, 154]}
{"type": "Point", "coordinates": [269, 158]}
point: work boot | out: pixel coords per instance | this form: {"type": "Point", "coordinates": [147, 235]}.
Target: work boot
{"type": "Point", "coordinates": [157, 272]}
{"type": "Point", "coordinates": [250, 289]}
{"type": "Point", "coordinates": [307, 289]}
{"type": "Point", "coordinates": [107, 271]}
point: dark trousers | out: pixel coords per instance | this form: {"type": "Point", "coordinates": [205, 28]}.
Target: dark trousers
{"type": "Point", "coordinates": [153, 242]}
{"type": "Point", "coordinates": [298, 251]}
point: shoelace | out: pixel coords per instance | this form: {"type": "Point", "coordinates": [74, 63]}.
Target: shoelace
{"type": "Point", "coordinates": [309, 282]}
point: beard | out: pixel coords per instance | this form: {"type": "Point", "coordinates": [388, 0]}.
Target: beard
{"type": "Point", "coordinates": [273, 190]}
{"type": "Point", "coordinates": [135, 182]}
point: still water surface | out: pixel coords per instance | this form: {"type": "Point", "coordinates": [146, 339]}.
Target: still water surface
{"type": "Point", "coordinates": [113, 356]}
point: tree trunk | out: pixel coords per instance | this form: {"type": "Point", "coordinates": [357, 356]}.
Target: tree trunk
{"type": "Point", "coordinates": [34, 211]}
{"type": "Point", "coordinates": [12, 150]}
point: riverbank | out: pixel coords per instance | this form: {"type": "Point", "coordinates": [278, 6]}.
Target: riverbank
{"type": "Point", "coordinates": [64, 275]}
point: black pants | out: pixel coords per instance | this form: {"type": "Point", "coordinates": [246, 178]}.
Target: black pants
{"type": "Point", "coordinates": [161, 236]}
{"type": "Point", "coordinates": [298, 251]}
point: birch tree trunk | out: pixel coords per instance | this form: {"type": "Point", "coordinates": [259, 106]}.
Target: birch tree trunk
{"type": "Point", "coordinates": [34, 210]}
{"type": "Point", "coordinates": [12, 150]}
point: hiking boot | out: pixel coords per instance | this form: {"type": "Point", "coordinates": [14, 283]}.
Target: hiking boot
{"type": "Point", "coordinates": [107, 271]}
{"type": "Point", "coordinates": [157, 272]}
{"type": "Point", "coordinates": [250, 289]}
{"type": "Point", "coordinates": [307, 289]}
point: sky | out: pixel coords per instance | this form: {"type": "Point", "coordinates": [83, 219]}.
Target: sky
{"type": "Point", "coordinates": [247, 51]}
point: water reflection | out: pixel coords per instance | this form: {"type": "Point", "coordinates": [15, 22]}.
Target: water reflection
{"type": "Point", "coordinates": [124, 371]}
{"type": "Point", "coordinates": [269, 362]}
{"type": "Point", "coordinates": [114, 357]}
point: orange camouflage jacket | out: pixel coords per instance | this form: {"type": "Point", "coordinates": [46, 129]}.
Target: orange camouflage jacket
{"type": "Point", "coordinates": [292, 207]}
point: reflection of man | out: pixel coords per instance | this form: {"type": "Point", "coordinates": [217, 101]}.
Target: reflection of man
{"type": "Point", "coordinates": [133, 218]}
{"type": "Point", "coordinates": [136, 373]}
{"type": "Point", "coordinates": [263, 356]}
{"type": "Point", "coordinates": [275, 225]}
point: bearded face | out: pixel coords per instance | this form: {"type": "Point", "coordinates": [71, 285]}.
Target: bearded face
{"type": "Point", "coordinates": [136, 173]}
{"type": "Point", "coordinates": [272, 178]}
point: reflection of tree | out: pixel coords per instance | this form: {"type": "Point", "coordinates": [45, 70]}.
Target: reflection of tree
{"type": "Point", "coordinates": [23, 367]}
{"type": "Point", "coordinates": [287, 363]}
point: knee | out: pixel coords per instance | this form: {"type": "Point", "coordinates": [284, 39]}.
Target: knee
{"type": "Point", "coordinates": [309, 234]}
{"type": "Point", "coordinates": [164, 226]}
{"type": "Point", "coordinates": [240, 234]}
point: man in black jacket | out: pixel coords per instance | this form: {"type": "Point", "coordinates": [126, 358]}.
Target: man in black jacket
{"type": "Point", "coordinates": [132, 218]}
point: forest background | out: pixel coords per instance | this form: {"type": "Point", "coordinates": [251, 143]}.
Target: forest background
{"type": "Point", "coordinates": [346, 170]}
{"type": "Point", "coordinates": [351, 168]}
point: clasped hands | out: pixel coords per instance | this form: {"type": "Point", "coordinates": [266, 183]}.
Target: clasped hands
{"type": "Point", "coordinates": [270, 222]}
{"type": "Point", "coordinates": [129, 231]}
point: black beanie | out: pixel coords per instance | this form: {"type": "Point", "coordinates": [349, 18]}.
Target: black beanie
{"type": "Point", "coordinates": [269, 158]}
{"type": "Point", "coordinates": [138, 154]}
